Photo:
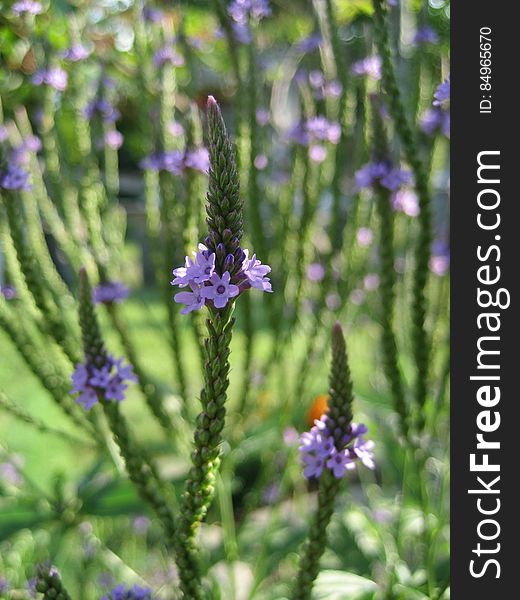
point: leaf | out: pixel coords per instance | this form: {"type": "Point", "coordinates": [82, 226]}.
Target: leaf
{"type": "Point", "coordinates": [21, 516]}
{"type": "Point", "coordinates": [339, 585]}
{"type": "Point", "coordinates": [118, 497]}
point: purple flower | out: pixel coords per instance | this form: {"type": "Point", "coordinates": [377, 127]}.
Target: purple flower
{"type": "Point", "coordinates": [318, 450]}
{"type": "Point", "coordinates": [4, 586]}
{"type": "Point", "coordinates": [221, 289]}
{"type": "Point", "coordinates": [194, 300]}
{"type": "Point", "coordinates": [110, 292]}
{"type": "Point", "coordinates": [136, 592]}
{"type": "Point", "coordinates": [176, 129]}
{"type": "Point", "coordinates": [152, 15]}
{"type": "Point", "coordinates": [340, 462]}
{"type": "Point", "coordinates": [113, 139]}
{"type": "Point", "coordinates": [442, 93]}
{"type": "Point", "coordinates": [54, 77]}
{"type": "Point", "coordinates": [436, 119]}
{"type": "Point", "coordinates": [320, 129]}
{"type": "Point", "coordinates": [76, 53]}
{"type": "Point", "coordinates": [167, 55]}
{"type": "Point", "coordinates": [371, 282]}
{"type": "Point", "coordinates": [8, 292]}
{"type": "Point", "coordinates": [141, 524]}
{"type": "Point", "coordinates": [256, 273]}
{"type": "Point", "coordinates": [197, 271]}
{"type": "Point", "coordinates": [103, 109]}
{"type": "Point", "coordinates": [10, 473]}
{"type": "Point", "coordinates": [262, 116]}
{"type": "Point", "coordinates": [440, 259]}
{"type": "Point", "coordinates": [364, 236]}
{"type": "Point", "coordinates": [14, 178]}
{"type": "Point", "coordinates": [315, 272]}
{"type": "Point", "coordinates": [260, 162]}
{"type": "Point", "coordinates": [407, 202]}
{"type": "Point", "coordinates": [92, 382]}
{"type": "Point", "coordinates": [28, 7]}
{"type": "Point", "coordinates": [242, 10]}
{"type": "Point", "coordinates": [197, 159]}
{"type": "Point", "coordinates": [369, 66]}
{"type": "Point", "coordinates": [382, 173]}
{"type": "Point", "coordinates": [425, 35]}
{"type": "Point", "coordinates": [309, 43]}
{"type": "Point", "coordinates": [3, 133]}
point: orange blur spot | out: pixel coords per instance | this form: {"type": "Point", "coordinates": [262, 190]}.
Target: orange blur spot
{"type": "Point", "coordinates": [318, 408]}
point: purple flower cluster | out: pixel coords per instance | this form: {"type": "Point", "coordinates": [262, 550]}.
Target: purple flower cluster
{"type": "Point", "coordinates": [314, 132]}
{"type": "Point", "coordinates": [13, 177]}
{"type": "Point", "coordinates": [323, 88]}
{"type": "Point", "coordinates": [442, 93]}
{"type": "Point", "coordinates": [318, 450]}
{"type": "Point", "coordinates": [310, 43]}
{"type": "Point", "coordinates": [209, 287]}
{"type": "Point", "coordinates": [167, 55]}
{"type": "Point", "coordinates": [76, 53]}
{"type": "Point", "coordinates": [437, 118]}
{"type": "Point", "coordinates": [108, 381]}
{"type": "Point", "coordinates": [110, 292]}
{"type": "Point", "coordinates": [54, 77]}
{"type": "Point", "coordinates": [136, 592]}
{"type": "Point", "coordinates": [102, 108]}
{"type": "Point", "coordinates": [369, 66]}
{"type": "Point", "coordinates": [425, 35]}
{"type": "Point", "coordinates": [113, 139]}
{"type": "Point", "coordinates": [27, 7]}
{"type": "Point", "coordinates": [176, 161]}
{"type": "Point", "coordinates": [242, 11]}
{"type": "Point", "coordinates": [382, 173]}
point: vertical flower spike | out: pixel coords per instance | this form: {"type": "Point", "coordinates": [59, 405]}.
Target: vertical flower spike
{"type": "Point", "coordinates": [330, 449]}
{"type": "Point", "coordinates": [224, 207]}
{"type": "Point", "coordinates": [100, 379]}
{"type": "Point", "coordinates": [48, 583]}
{"type": "Point", "coordinates": [220, 272]}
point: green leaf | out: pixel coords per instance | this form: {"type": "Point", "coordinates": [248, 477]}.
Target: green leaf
{"type": "Point", "coordinates": [118, 497]}
{"type": "Point", "coordinates": [21, 516]}
{"type": "Point", "coordinates": [339, 585]}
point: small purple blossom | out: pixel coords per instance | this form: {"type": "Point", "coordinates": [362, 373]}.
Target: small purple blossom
{"type": "Point", "coordinates": [260, 162]}
{"type": "Point", "coordinates": [371, 282]}
{"type": "Point", "coordinates": [406, 201]}
{"type": "Point", "coordinates": [364, 236]}
{"type": "Point", "coordinates": [318, 450]}
{"type": "Point", "coordinates": [92, 382]}
{"type": "Point", "coordinates": [382, 173]}
{"type": "Point", "coordinates": [102, 108]}
{"type": "Point", "coordinates": [4, 586]}
{"type": "Point", "coordinates": [141, 524]}
{"type": "Point", "coordinates": [369, 66]}
{"type": "Point", "coordinates": [113, 139]}
{"type": "Point", "coordinates": [440, 259]}
{"type": "Point", "coordinates": [14, 178]}
{"type": "Point", "coordinates": [309, 43]}
{"type": "Point", "coordinates": [220, 290]}
{"type": "Point", "coordinates": [4, 134]}
{"type": "Point", "coordinates": [76, 53]}
{"type": "Point", "coordinates": [243, 10]}
{"type": "Point", "coordinates": [110, 292]}
{"type": "Point", "coordinates": [435, 120]}
{"type": "Point", "coordinates": [425, 35]}
{"type": "Point", "coordinates": [193, 300]}
{"type": "Point", "coordinates": [27, 7]}
{"type": "Point", "coordinates": [197, 159]}
{"type": "Point", "coordinates": [54, 77]}
{"type": "Point", "coordinates": [198, 271]}
{"type": "Point", "coordinates": [263, 116]}
{"type": "Point", "coordinates": [442, 93]}
{"type": "Point", "coordinates": [8, 292]}
{"type": "Point", "coordinates": [167, 55]}
{"type": "Point", "coordinates": [256, 273]}
{"type": "Point", "coordinates": [136, 592]}
{"type": "Point", "coordinates": [315, 272]}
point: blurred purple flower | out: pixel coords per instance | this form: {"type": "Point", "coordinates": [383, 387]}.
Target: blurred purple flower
{"type": "Point", "coordinates": [8, 292]}
{"type": "Point", "coordinates": [197, 159]}
{"type": "Point", "coordinates": [315, 272]}
{"type": "Point", "coordinates": [316, 78]}
{"type": "Point", "coordinates": [9, 473]}
{"type": "Point", "coordinates": [262, 116]}
{"type": "Point", "coordinates": [14, 177]}
{"type": "Point", "coordinates": [136, 592]}
{"type": "Point", "coordinates": [317, 153]}
{"type": "Point", "coordinates": [364, 236]}
{"type": "Point", "coordinates": [167, 55]}
{"type": "Point", "coordinates": [4, 586]}
{"type": "Point", "coordinates": [242, 10]}
{"type": "Point", "coordinates": [440, 259]}
{"type": "Point", "coordinates": [54, 77]}
{"type": "Point", "coordinates": [425, 35]}
{"type": "Point", "coordinates": [369, 66]}
{"type": "Point", "coordinates": [141, 524]}
{"type": "Point", "coordinates": [76, 53]}
{"type": "Point", "coordinates": [290, 436]}
{"type": "Point", "coordinates": [260, 162]}
{"type": "Point", "coordinates": [108, 381]}
{"type": "Point", "coordinates": [110, 292]}
{"type": "Point", "coordinates": [371, 282]}
{"type": "Point", "coordinates": [406, 201]}
{"type": "Point", "coordinates": [434, 120]}
{"type": "Point", "coordinates": [152, 15]}
{"type": "Point", "coordinates": [382, 173]}
{"type": "Point", "coordinates": [114, 139]}
{"type": "Point", "coordinates": [102, 108]}
{"type": "Point", "coordinates": [29, 7]}
{"type": "Point", "coordinates": [442, 93]}
{"type": "Point", "coordinates": [3, 133]}
{"type": "Point", "coordinates": [309, 43]}
{"type": "Point", "coordinates": [176, 129]}
{"type": "Point", "coordinates": [333, 301]}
